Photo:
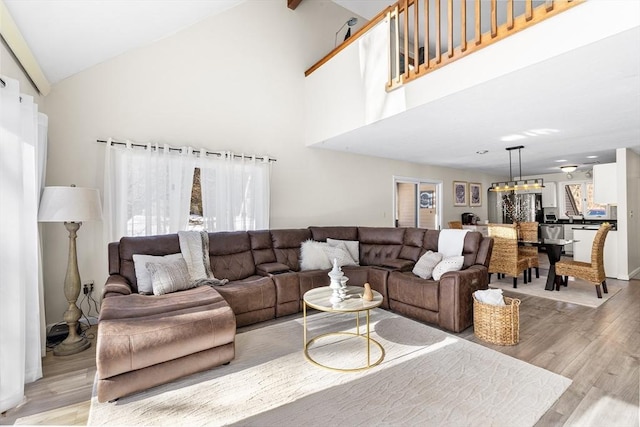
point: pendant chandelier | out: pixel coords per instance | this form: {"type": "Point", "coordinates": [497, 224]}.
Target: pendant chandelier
{"type": "Point", "coordinates": [520, 184]}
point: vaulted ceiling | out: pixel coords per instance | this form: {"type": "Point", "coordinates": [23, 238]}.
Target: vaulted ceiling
{"type": "Point", "coordinates": [595, 104]}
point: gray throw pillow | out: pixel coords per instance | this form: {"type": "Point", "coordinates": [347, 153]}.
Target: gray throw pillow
{"type": "Point", "coordinates": [167, 277]}
{"type": "Point", "coordinates": [143, 277]}
{"type": "Point", "coordinates": [352, 246]}
{"type": "Point", "coordinates": [425, 265]}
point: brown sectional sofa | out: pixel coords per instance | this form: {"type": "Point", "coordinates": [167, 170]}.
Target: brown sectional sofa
{"type": "Point", "coordinates": [145, 340]}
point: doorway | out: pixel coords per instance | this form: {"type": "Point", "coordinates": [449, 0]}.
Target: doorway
{"type": "Point", "coordinates": [417, 203]}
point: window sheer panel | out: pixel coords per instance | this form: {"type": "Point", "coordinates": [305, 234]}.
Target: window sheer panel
{"type": "Point", "coordinates": [22, 154]}
{"type": "Point", "coordinates": [149, 188]}
{"type": "Point", "coordinates": [235, 193]}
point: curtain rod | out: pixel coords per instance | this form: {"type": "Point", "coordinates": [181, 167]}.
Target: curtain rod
{"type": "Point", "coordinates": [196, 152]}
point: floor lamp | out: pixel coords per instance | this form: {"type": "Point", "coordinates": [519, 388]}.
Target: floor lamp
{"type": "Point", "coordinates": [71, 205]}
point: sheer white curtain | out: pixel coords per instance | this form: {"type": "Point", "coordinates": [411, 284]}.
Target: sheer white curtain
{"type": "Point", "coordinates": [147, 189]}
{"type": "Point", "coordinates": [22, 157]}
{"type": "Point", "coordinates": [235, 192]}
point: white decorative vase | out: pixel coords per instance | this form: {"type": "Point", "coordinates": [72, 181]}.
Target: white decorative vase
{"type": "Point", "coordinates": [339, 290]}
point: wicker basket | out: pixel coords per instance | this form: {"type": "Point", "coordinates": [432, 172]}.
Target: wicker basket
{"type": "Point", "coordinates": [497, 324]}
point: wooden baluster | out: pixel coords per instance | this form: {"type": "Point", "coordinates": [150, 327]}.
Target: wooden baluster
{"type": "Point", "coordinates": [510, 14]}
{"type": "Point", "coordinates": [450, 22]}
{"type": "Point", "coordinates": [478, 22]}
{"type": "Point", "coordinates": [463, 25]}
{"type": "Point", "coordinates": [406, 38]}
{"type": "Point", "coordinates": [416, 39]}
{"type": "Point", "coordinates": [438, 34]}
{"type": "Point", "coordinates": [494, 19]}
{"type": "Point", "coordinates": [548, 5]}
{"type": "Point", "coordinates": [426, 34]}
{"type": "Point", "coordinates": [397, 27]}
{"type": "Point", "coordinates": [529, 10]}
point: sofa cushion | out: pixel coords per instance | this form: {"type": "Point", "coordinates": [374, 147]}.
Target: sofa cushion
{"type": "Point", "coordinates": [453, 263]}
{"type": "Point", "coordinates": [321, 234]}
{"type": "Point", "coordinates": [408, 288]}
{"type": "Point", "coordinates": [412, 245]}
{"type": "Point", "coordinates": [143, 276]}
{"type": "Point", "coordinates": [379, 244]}
{"type": "Point", "coordinates": [148, 245]}
{"type": "Point", "coordinates": [261, 247]}
{"type": "Point", "coordinates": [168, 277]}
{"type": "Point", "coordinates": [254, 293]}
{"type": "Point", "coordinates": [148, 337]}
{"type": "Point", "coordinates": [230, 255]}
{"type": "Point", "coordinates": [286, 246]}
{"type": "Point", "coordinates": [425, 265]}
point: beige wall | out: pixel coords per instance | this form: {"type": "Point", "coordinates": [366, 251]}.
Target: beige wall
{"type": "Point", "coordinates": [232, 82]}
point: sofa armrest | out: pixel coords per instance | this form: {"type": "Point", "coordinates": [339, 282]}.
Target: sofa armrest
{"type": "Point", "coordinates": [398, 264]}
{"type": "Point", "coordinates": [116, 285]}
{"type": "Point", "coordinates": [271, 268]}
{"type": "Point", "coordinates": [456, 300]}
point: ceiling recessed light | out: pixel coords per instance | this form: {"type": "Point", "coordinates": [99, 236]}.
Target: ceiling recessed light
{"type": "Point", "coordinates": [592, 157]}
{"type": "Point", "coordinates": [561, 160]}
{"type": "Point", "coordinates": [482, 151]}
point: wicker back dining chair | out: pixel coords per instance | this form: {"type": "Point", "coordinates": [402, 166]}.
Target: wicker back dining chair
{"type": "Point", "coordinates": [591, 272]}
{"type": "Point", "coordinates": [529, 232]}
{"type": "Point", "coordinates": [455, 224]}
{"type": "Point", "coordinates": [505, 258]}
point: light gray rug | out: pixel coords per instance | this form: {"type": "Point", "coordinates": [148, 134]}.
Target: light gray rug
{"type": "Point", "coordinates": [577, 292]}
{"type": "Point", "coordinates": [427, 377]}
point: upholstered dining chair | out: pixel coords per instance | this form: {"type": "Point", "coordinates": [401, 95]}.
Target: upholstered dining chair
{"type": "Point", "coordinates": [529, 232]}
{"type": "Point", "coordinates": [591, 272]}
{"type": "Point", "coordinates": [455, 224]}
{"type": "Point", "coordinates": [505, 257]}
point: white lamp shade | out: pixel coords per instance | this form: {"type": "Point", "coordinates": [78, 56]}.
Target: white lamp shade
{"type": "Point", "coordinates": [70, 204]}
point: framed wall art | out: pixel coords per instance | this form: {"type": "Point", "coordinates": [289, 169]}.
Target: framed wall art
{"type": "Point", "coordinates": [459, 193]}
{"type": "Point", "coordinates": [426, 199]}
{"type": "Point", "coordinates": [475, 194]}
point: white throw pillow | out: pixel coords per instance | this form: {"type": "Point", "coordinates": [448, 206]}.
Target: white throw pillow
{"type": "Point", "coordinates": [352, 246]}
{"type": "Point", "coordinates": [143, 277]}
{"type": "Point", "coordinates": [313, 256]}
{"type": "Point", "coordinates": [167, 277]}
{"type": "Point", "coordinates": [453, 263]}
{"type": "Point", "coordinates": [425, 265]}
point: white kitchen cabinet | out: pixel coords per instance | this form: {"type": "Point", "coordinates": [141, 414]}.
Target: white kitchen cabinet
{"type": "Point", "coordinates": [484, 229]}
{"type": "Point", "coordinates": [550, 195]}
{"type": "Point", "coordinates": [582, 249]}
{"type": "Point", "coordinates": [567, 230]}
{"type": "Point", "coordinates": [605, 184]}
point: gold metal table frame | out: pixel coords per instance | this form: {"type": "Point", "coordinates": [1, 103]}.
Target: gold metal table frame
{"type": "Point", "coordinates": [318, 298]}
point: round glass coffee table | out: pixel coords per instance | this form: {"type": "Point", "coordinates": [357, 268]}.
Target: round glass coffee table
{"type": "Point", "coordinates": [318, 298]}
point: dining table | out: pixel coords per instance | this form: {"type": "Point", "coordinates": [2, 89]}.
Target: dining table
{"type": "Point", "coordinates": [553, 247]}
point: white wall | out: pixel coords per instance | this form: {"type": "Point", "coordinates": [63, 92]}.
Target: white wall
{"type": "Point", "coordinates": [628, 164]}
{"type": "Point", "coordinates": [232, 82]}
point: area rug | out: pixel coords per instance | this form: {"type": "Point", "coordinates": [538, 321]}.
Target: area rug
{"type": "Point", "coordinates": [577, 292]}
{"type": "Point", "coordinates": [427, 377]}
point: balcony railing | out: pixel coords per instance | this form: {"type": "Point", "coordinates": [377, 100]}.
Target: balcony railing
{"type": "Point", "coordinates": [434, 33]}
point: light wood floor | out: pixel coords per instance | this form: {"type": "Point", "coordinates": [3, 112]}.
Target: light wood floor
{"type": "Point", "coordinates": [599, 349]}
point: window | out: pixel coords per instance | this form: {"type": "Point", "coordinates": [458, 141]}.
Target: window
{"type": "Point", "coordinates": [576, 198]}
{"type": "Point", "coordinates": [196, 220]}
